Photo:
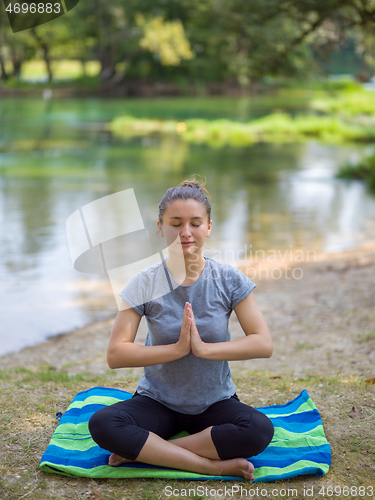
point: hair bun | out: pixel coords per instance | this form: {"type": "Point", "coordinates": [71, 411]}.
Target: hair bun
{"type": "Point", "coordinates": [194, 183]}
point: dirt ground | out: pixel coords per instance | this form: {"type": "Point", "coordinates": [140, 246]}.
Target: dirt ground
{"type": "Point", "coordinates": [322, 321]}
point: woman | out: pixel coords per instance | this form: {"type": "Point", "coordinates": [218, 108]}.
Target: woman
{"type": "Point", "coordinates": [186, 384]}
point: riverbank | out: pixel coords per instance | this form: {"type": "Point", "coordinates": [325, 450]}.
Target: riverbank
{"type": "Point", "coordinates": [319, 306]}
{"type": "Point", "coordinates": [323, 328]}
{"type": "Point", "coordinates": [90, 87]}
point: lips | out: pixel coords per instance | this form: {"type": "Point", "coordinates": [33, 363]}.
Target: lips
{"type": "Point", "coordinates": [186, 243]}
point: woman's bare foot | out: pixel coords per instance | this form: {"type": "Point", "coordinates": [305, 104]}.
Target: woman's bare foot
{"type": "Point", "coordinates": [237, 467]}
{"type": "Point", "coordinates": [115, 460]}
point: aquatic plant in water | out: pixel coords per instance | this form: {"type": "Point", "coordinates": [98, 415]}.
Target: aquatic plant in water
{"type": "Point", "coordinates": [363, 170]}
{"type": "Point", "coordinates": [276, 127]}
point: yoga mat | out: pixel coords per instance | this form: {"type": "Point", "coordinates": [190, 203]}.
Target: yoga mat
{"type": "Point", "coordinates": [298, 447]}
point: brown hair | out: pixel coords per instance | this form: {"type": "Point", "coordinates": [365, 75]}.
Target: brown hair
{"type": "Point", "coordinates": [188, 189]}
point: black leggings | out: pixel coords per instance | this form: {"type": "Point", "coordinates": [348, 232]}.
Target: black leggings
{"type": "Point", "coordinates": [238, 429]}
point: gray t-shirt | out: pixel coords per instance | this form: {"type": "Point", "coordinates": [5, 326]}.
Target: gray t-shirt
{"type": "Point", "coordinates": [189, 384]}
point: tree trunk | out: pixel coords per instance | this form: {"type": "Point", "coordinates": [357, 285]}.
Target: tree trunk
{"type": "Point", "coordinates": [83, 66]}
{"type": "Point", "coordinates": [105, 56]}
{"type": "Point", "coordinates": [4, 75]}
{"type": "Point", "coordinates": [17, 63]}
{"type": "Point", "coordinates": [107, 68]}
{"type": "Point", "coordinates": [45, 49]}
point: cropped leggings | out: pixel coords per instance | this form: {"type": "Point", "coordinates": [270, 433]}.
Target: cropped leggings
{"type": "Point", "coordinates": [238, 429]}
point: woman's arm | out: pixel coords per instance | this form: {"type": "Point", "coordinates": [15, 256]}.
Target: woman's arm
{"type": "Point", "coordinates": [123, 353]}
{"type": "Point", "coordinates": [256, 344]}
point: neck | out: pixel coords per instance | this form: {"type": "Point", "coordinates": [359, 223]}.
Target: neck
{"type": "Point", "coordinates": [193, 266]}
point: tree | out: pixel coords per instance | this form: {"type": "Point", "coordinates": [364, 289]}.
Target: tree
{"type": "Point", "coordinates": [15, 49]}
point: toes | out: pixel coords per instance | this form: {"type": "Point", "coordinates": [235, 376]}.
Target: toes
{"type": "Point", "coordinates": [114, 460]}
{"type": "Point", "coordinates": [115, 463]}
{"type": "Point", "coordinates": [249, 472]}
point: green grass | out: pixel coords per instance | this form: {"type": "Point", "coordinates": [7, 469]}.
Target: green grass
{"type": "Point", "coordinates": [366, 337]}
{"type": "Point", "coordinates": [65, 69]}
{"type": "Point", "coordinates": [31, 397]}
{"type": "Point", "coordinates": [66, 74]}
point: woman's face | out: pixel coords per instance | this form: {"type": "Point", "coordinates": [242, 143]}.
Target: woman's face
{"type": "Point", "coordinates": [188, 220]}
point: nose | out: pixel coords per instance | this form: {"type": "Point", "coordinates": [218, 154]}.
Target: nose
{"type": "Point", "coordinates": [185, 230]}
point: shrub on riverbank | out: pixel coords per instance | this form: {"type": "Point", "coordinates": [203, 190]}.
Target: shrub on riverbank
{"type": "Point", "coordinates": [347, 104]}
{"type": "Point", "coordinates": [276, 127]}
{"type": "Point", "coordinates": [364, 170]}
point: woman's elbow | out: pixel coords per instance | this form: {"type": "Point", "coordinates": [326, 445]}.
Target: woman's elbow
{"type": "Point", "coordinates": [112, 360]}
{"type": "Point", "coordinates": [110, 363]}
{"type": "Point", "coordinates": [267, 347]}
{"type": "Point", "coordinates": [119, 355]}
{"type": "Point", "coordinates": [269, 350]}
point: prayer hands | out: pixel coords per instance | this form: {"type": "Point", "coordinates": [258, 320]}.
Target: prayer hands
{"type": "Point", "coordinates": [197, 344]}
{"type": "Point", "coordinates": [190, 339]}
{"type": "Point", "coordinates": [183, 343]}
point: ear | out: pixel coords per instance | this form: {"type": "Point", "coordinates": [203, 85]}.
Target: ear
{"type": "Point", "coordinates": [209, 229]}
{"type": "Point", "coordinates": [160, 228]}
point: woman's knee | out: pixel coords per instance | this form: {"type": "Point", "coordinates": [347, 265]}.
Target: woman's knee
{"type": "Point", "coordinates": [99, 425]}
{"type": "Point", "coordinates": [117, 432]}
{"type": "Point", "coordinates": [249, 437]}
{"type": "Point", "coordinates": [257, 435]}
{"type": "Point", "coordinates": [263, 431]}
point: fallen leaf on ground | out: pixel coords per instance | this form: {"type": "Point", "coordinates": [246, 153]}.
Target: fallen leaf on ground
{"type": "Point", "coordinates": [355, 413]}
{"type": "Point", "coordinates": [370, 380]}
{"type": "Point", "coordinates": [93, 495]}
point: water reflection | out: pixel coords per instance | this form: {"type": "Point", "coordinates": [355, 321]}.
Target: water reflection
{"type": "Point", "coordinates": [52, 162]}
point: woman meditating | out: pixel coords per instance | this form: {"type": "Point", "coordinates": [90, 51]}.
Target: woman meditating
{"type": "Point", "coordinates": [186, 384]}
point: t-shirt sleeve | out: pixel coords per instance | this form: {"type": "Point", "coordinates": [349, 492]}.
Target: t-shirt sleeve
{"type": "Point", "coordinates": [133, 296]}
{"type": "Point", "coordinates": [240, 287]}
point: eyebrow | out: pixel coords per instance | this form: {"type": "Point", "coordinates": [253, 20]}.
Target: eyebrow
{"type": "Point", "coordinates": [191, 218]}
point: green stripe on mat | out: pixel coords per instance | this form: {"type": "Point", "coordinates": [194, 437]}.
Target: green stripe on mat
{"type": "Point", "coordinates": [95, 400]}
{"type": "Point", "coordinates": [301, 464]}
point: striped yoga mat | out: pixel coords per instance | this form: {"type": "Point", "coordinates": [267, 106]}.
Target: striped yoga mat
{"type": "Point", "coordinates": [298, 447]}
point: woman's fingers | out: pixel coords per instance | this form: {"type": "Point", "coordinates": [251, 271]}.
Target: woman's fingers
{"type": "Point", "coordinates": [188, 310]}
{"type": "Point", "coordinates": [186, 315]}
{"type": "Point", "coordinates": [192, 314]}
{"type": "Point", "coordinates": [184, 340]}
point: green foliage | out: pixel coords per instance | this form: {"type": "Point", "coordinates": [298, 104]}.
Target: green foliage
{"type": "Point", "coordinates": [364, 170]}
{"type": "Point", "coordinates": [277, 127]}
{"type": "Point", "coordinates": [194, 40]}
{"type": "Point", "coordinates": [165, 39]}
{"type": "Point", "coordinates": [348, 103]}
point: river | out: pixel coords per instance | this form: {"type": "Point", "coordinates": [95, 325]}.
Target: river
{"type": "Point", "coordinates": [56, 156]}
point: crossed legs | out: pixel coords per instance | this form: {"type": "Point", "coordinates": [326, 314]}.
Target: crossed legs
{"type": "Point", "coordinates": [134, 432]}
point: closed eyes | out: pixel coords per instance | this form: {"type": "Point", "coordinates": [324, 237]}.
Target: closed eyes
{"type": "Point", "coordinates": [177, 225]}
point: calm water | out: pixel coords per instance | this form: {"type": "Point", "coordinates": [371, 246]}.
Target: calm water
{"type": "Point", "coordinates": [56, 157]}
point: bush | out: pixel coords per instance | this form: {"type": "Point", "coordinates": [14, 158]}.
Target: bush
{"type": "Point", "coordinates": [364, 170]}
